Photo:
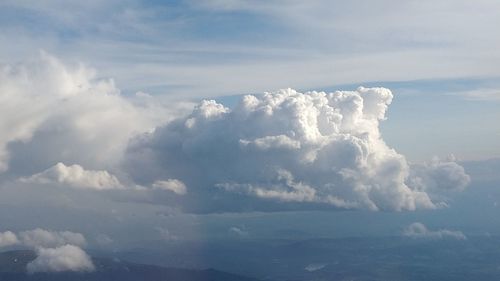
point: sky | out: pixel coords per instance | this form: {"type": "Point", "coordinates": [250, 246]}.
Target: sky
{"type": "Point", "coordinates": [234, 118]}
{"type": "Point", "coordinates": [435, 56]}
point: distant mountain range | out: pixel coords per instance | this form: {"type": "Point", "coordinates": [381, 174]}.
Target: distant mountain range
{"type": "Point", "coordinates": [323, 259]}
{"type": "Point", "coordinates": [13, 268]}
{"type": "Point", "coordinates": [332, 259]}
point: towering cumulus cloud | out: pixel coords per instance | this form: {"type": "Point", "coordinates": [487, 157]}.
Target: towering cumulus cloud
{"type": "Point", "coordinates": [310, 149]}
{"type": "Point", "coordinates": [277, 151]}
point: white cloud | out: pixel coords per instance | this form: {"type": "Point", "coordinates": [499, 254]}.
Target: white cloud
{"type": "Point", "coordinates": [56, 250]}
{"type": "Point", "coordinates": [313, 148]}
{"type": "Point", "coordinates": [8, 238]}
{"type": "Point", "coordinates": [63, 258]}
{"type": "Point", "coordinates": [51, 112]}
{"type": "Point", "coordinates": [419, 230]}
{"type": "Point", "coordinates": [176, 186]}
{"type": "Point", "coordinates": [75, 176]}
{"type": "Point", "coordinates": [315, 267]}
{"type": "Point", "coordinates": [238, 231]}
{"type": "Point", "coordinates": [41, 238]}
{"type": "Point", "coordinates": [103, 239]}
{"type": "Point", "coordinates": [356, 42]}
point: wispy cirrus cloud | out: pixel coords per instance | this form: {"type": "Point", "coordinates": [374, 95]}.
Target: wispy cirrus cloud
{"type": "Point", "coordinates": [481, 94]}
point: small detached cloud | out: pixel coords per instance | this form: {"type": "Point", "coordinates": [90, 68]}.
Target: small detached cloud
{"type": "Point", "coordinates": [173, 185]}
{"type": "Point", "coordinates": [75, 176]}
{"type": "Point", "coordinates": [238, 231]}
{"type": "Point", "coordinates": [68, 115]}
{"type": "Point", "coordinates": [419, 230]}
{"type": "Point", "coordinates": [56, 250]}
{"type": "Point", "coordinates": [315, 267]}
{"type": "Point", "coordinates": [8, 238]}
{"type": "Point", "coordinates": [439, 175]}
{"type": "Point", "coordinates": [63, 258]}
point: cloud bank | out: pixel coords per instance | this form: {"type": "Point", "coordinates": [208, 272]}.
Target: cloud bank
{"type": "Point", "coordinates": [63, 258]}
{"type": "Point", "coordinates": [176, 186]}
{"type": "Point", "coordinates": [419, 230]}
{"type": "Point", "coordinates": [315, 149]}
{"type": "Point", "coordinates": [283, 150]}
{"type": "Point", "coordinates": [315, 267]}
